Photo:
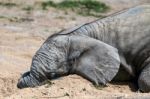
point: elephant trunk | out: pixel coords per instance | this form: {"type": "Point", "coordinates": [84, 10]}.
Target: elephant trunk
{"type": "Point", "coordinates": [27, 80]}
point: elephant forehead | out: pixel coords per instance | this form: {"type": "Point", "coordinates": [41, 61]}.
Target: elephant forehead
{"type": "Point", "coordinates": [56, 41]}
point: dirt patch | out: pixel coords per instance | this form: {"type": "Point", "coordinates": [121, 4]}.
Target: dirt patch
{"type": "Point", "coordinates": [8, 86]}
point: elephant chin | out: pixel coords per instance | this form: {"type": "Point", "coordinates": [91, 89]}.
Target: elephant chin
{"type": "Point", "coordinates": [27, 80]}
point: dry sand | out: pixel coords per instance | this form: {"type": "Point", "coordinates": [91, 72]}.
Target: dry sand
{"type": "Point", "coordinates": [22, 33]}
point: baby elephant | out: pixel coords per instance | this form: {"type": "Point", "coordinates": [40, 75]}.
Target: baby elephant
{"type": "Point", "coordinates": [113, 48]}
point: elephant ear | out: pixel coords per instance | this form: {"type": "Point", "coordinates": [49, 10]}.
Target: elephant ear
{"type": "Point", "coordinates": [97, 62]}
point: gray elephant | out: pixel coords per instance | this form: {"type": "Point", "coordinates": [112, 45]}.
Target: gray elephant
{"type": "Point", "coordinates": [113, 48]}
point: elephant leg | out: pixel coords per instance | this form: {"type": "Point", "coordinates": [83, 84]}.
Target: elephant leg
{"type": "Point", "coordinates": [94, 60]}
{"type": "Point", "coordinates": [144, 79]}
{"type": "Point", "coordinates": [126, 71]}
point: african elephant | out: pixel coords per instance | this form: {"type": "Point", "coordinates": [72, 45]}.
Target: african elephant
{"type": "Point", "coordinates": [116, 47]}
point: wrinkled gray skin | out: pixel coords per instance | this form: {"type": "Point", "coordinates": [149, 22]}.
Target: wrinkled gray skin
{"type": "Point", "coordinates": [113, 48]}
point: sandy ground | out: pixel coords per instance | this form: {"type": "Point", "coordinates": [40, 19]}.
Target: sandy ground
{"type": "Point", "coordinates": [21, 34]}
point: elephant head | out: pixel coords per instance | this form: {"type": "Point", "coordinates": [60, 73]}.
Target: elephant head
{"type": "Point", "coordinates": [62, 55]}
{"type": "Point", "coordinates": [49, 62]}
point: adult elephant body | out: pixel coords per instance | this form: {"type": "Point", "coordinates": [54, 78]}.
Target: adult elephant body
{"type": "Point", "coordinates": [116, 47]}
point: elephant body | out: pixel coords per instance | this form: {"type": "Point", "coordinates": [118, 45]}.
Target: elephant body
{"type": "Point", "coordinates": [113, 48]}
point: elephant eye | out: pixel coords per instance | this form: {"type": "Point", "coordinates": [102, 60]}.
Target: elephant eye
{"type": "Point", "coordinates": [62, 64]}
{"type": "Point", "coordinates": [57, 60]}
